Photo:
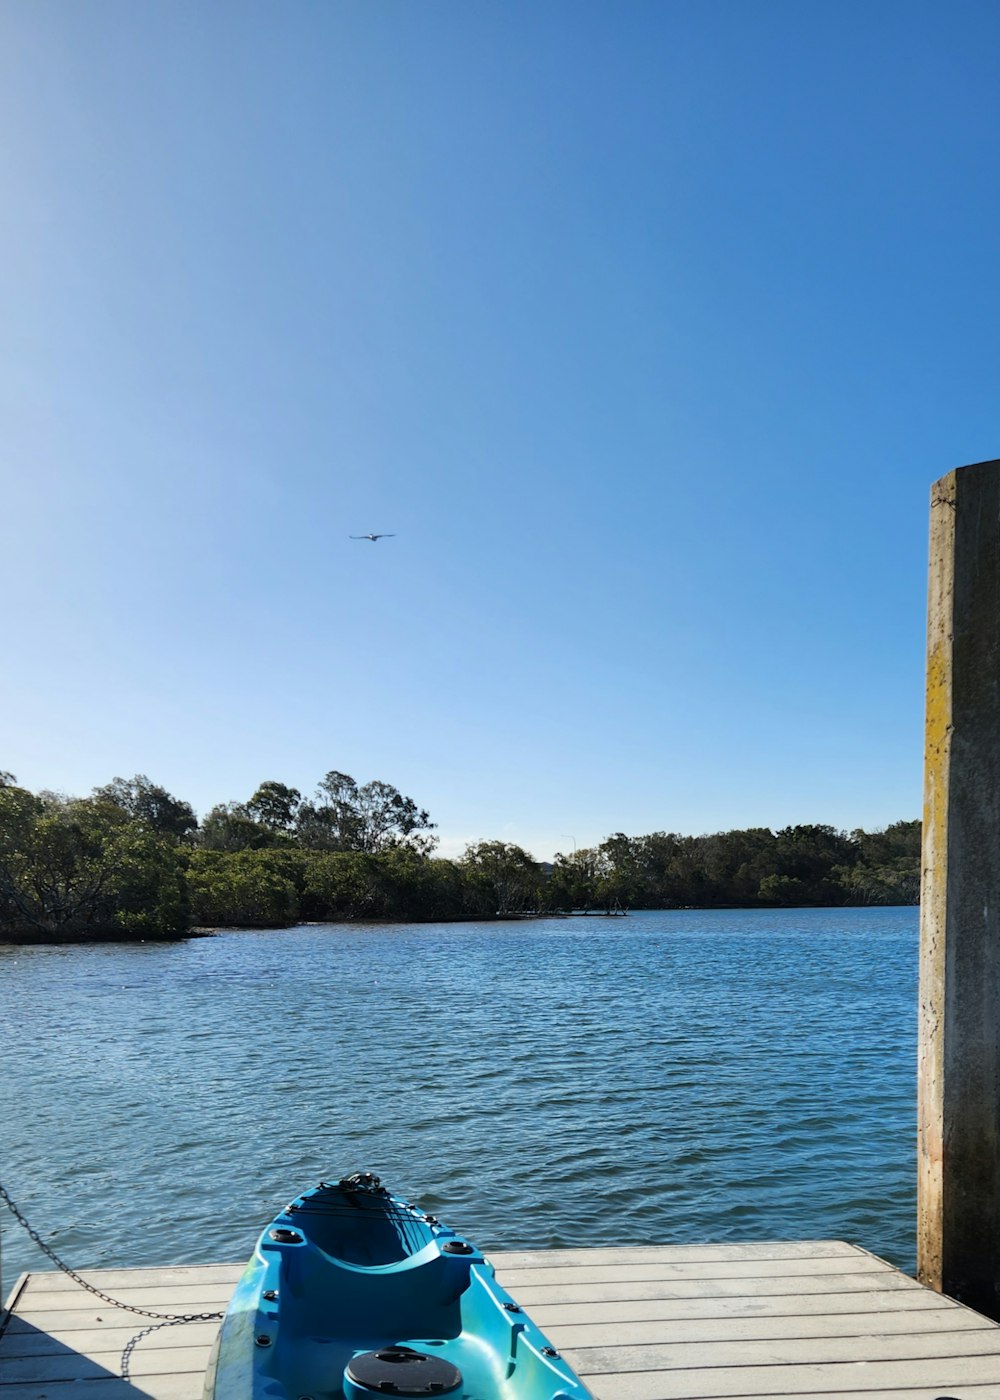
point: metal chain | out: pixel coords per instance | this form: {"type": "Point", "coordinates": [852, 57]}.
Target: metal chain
{"type": "Point", "coordinates": [165, 1318]}
{"type": "Point", "coordinates": [130, 1345]}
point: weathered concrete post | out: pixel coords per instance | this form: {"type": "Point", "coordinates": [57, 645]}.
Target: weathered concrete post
{"type": "Point", "coordinates": [958, 1199]}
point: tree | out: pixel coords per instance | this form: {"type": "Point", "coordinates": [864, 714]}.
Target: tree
{"type": "Point", "coordinates": [655, 857]}
{"type": "Point", "coordinates": [736, 862]}
{"type": "Point", "coordinates": [230, 827]}
{"type": "Point", "coordinates": [400, 883]}
{"type": "Point", "coordinates": [900, 841]}
{"type": "Point", "coordinates": [808, 855]}
{"type": "Point", "coordinates": [686, 876]}
{"type": "Point", "coordinates": [506, 874]}
{"type": "Point", "coordinates": [417, 887]}
{"type": "Point", "coordinates": [619, 872]}
{"type": "Point", "coordinates": [896, 883]}
{"type": "Point", "coordinates": [341, 884]}
{"type": "Point", "coordinates": [886, 867]}
{"type": "Point", "coordinates": [371, 818]}
{"type": "Point", "coordinates": [252, 888]}
{"type": "Point", "coordinates": [19, 812]}
{"type": "Point", "coordinates": [786, 890]}
{"type": "Point", "coordinates": [150, 804]}
{"type": "Point", "coordinates": [573, 882]}
{"type": "Point", "coordinates": [275, 806]}
{"type": "Point", "coordinates": [386, 819]}
{"type": "Point", "coordinates": [77, 868]}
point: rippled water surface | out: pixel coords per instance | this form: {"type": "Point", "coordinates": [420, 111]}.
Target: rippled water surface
{"type": "Point", "coordinates": [668, 1077]}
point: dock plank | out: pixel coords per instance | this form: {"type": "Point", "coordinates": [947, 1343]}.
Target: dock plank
{"type": "Point", "coordinates": [719, 1331]}
{"type": "Point", "coordinates": [22, 1341]}
{"type": "Point", "coordinates": [187, 1297]}
{"type": "Point", "coordinates": [54, 1281]}
{"type": "Point", "coordinates": [798, 1319]}
{"type": "Point", "coordinates": [173, 1387]}
{"type": "Point", "coordinates": [783, 1351]}
{"type": "Point", "coordinates": [760, 1286]}
{"type": "Point", "coordinates": [157, 1361]}
{"type": "Point", "coordinates": [625, 1270]}
{"type": "Point", "coordinates": [868, 1378]}
{"type": "Point", "coordinates": [778, 1305]}
{"type": "Point", "coordinates": [684, 1253]}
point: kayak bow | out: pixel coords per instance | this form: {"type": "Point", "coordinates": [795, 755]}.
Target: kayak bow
{"type": "Point", "coordinates": [352, 1293]}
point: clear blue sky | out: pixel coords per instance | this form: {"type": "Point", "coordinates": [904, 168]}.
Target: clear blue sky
{"type": "Point", "coordinates": [645, 327]}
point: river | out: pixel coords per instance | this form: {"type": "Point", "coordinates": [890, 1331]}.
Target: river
{"type": "Point", "coordinates": [662, 1078]}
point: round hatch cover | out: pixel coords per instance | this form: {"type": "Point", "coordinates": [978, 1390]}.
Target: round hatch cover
{"type": "Point", "coordinates": [403, 1371]}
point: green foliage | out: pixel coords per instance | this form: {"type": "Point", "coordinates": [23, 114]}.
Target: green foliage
{"type": "Point", "coordinates": [128, 862]}
{"type": "Point", "coordinates": [415, 886]}
{"type": "Point", "coordinates": [252, 889]}
{"type": "Point", "coordinates": [340, 884]}
{"type": "Point", "coordinates": [82, 868]}
{"type": "Point", "coordinates": [785, 890]}
{"type": "Point", "coordinates": [397, 884]}
{"type": "Point", "coordinates": [151, 805]}
{"type": "Point", "coordinates": [372, 817]}
{"type": "Point", "coordinates": [502, 878]}
{"type": "Point", "coordinates": [275, 806]}
{"type": "Point", "coordinates": [570, 884]}
{"type": "Point", "coordinates": [887, 868]}
{"type": "Point", "coordinates": [230, 827]}
{"type": "Point", "coordinates": [799, 865]}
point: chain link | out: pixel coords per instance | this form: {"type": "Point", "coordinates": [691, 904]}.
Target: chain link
{"type": "Point", "coordinates": [130, 1345]}
{"type": "Point", "coordinates": [162, 1319]}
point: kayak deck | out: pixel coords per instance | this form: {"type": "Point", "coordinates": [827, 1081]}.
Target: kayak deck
{"type": "Point", "coordinates": [353, 1293]}
{"type": "Point", "coordinates": [635, 1323]}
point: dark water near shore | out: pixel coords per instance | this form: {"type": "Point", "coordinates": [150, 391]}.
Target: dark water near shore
{"type": "Point", "coordinates": [669, 1077]}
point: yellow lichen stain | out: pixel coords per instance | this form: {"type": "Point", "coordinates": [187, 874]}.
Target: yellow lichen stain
{"type": "Point", "coordinates": [938, 712]}
{"type": "Point", "coordinates": [937, 763]}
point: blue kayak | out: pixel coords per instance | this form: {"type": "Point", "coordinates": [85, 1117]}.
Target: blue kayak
{"type": "Point", "coordinates": [352, 1292]}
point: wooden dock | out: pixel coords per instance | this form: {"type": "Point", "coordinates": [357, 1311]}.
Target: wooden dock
{"type": "Point", "coordinates": [674, 1322]}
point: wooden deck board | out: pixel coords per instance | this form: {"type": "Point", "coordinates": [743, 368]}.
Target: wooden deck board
{"type": "Point", "coordinates": [686, 1322]}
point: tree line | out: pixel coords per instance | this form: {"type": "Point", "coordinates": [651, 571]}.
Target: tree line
{"type": "Point", "coordinates": [133, 861]}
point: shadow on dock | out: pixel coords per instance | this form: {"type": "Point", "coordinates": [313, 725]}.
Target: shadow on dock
{"type": "Point", "coordinates": [34, 1360]}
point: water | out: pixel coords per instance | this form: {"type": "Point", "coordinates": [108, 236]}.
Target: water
{"type": "Point", "coordinates": [669, 1077]}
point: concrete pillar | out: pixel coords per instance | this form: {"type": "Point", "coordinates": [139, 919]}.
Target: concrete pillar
{"type": "Point", "coordinates": [958, 1197]}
